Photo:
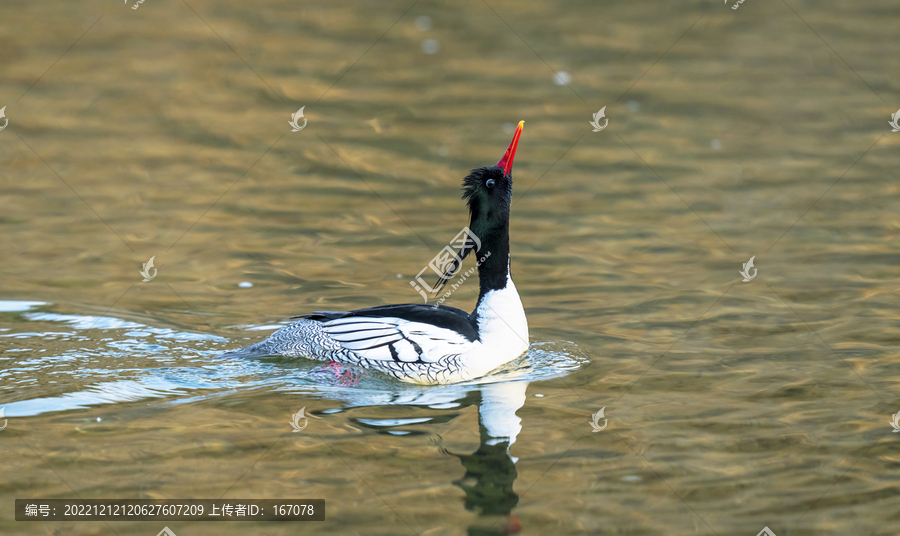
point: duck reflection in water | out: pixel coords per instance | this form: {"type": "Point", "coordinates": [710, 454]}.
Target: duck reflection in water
{"type": "Point", "coordinates": [490, 470]}
{"type": "Point", "coordinates": [488, 475]}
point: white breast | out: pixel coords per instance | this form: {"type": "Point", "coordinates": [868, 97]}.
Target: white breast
{"type": "Point", "coordinates": [502, 329]}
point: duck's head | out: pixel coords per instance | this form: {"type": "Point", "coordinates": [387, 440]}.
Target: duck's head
{"type": "Point", "coordinates": [488, 191]}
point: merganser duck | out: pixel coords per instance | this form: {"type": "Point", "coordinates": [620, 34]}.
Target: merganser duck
{"type": "Point", "coordinates": [421, 343]}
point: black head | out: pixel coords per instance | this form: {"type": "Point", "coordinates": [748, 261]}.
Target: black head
{"type": "Point", "coordinates": [488, 192]}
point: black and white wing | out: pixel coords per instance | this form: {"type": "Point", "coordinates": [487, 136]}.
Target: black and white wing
{"type": "Point", "coordinates": [409, 333]}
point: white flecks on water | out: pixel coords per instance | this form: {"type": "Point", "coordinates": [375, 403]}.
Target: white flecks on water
{"type": "Point", "coordinates": [245, 284]}
{"type": "Point", "coordinates": [539, 395]}
{"type": "Point", "coordinates": [562, 78]}
{"type": "Point", "coordinates": [631, 478]}
{"type": "Point", "coordinates": [633, 106]}
{"type": "Point", "coordinates": [99, 419]}
{"type": "Point", "coordinates": [17, 306]}
{"type": "Point", "coordinates": [423, 23]}
{"type": "Point", "coordinates": [430, 46]}
{"type": "Point", "coordinates": [715, 144]}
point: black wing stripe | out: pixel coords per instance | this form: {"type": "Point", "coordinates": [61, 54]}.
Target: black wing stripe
{"type": "Point", "coordinates": [358, 320]}
{"type": "Point", "coordinates": [363, 346]}
{"type": "Point", "coordinates": [359, 346]}
{"type": "Point", "coordinates": [358, 339]}
{"type": "Point", "coordinates": [415, 346]}
{"type": "Point", "coordinates": [412, 353]}
{"type": "Point", "coordinates": [386, 343]}
{"type": "Point", "coordinates": [360, 329]}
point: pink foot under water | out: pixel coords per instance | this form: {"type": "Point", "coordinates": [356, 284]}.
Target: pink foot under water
{"type": "Point", "coordinates": [338, 374]}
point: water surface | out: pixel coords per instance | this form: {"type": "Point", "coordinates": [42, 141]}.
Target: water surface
{"type": "Point", "coordinates": [162, 132]}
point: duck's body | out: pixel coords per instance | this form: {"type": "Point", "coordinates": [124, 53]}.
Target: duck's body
{"type": "Point", "coordinates": [421, 343]}
{"type": "Point", "coordinates": [412, 342]}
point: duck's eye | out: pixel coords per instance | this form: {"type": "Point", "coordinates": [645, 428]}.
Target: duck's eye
{"type": "Point", "coordinates": [489, 183]}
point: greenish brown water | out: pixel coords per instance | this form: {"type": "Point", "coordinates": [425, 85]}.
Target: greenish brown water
{"type": "Point", "coordinates": [163, 132]}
